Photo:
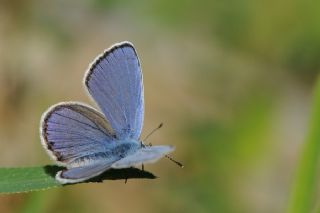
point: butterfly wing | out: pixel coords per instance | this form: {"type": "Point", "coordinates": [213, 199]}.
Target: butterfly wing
{"type": "Point", "coordinates": [142, 156]}
{"type": "Point", "coordinates": [72, 132]}
{"type": "Point", "coordinates": [79, 174]}
{"type": "Point", "coordinates": [114, 81]}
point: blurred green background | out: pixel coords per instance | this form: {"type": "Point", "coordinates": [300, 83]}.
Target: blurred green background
{"type": "Point", "coordinates": [231, 80]}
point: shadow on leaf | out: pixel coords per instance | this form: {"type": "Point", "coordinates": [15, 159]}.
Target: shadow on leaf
{"type": "Point", "coordinates": [111, 174]}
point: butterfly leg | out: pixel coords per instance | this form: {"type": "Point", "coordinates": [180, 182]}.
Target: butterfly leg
{"type": "Point", "coordinates": [142, 165]}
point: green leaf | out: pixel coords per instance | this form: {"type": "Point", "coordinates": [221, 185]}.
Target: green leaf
{"type": "Point", "coordinates": [16, 180]}
{"type": "Point", "coordinates": [304, 186]}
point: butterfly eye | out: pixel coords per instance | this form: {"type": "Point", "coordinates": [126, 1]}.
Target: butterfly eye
{"type": "Point", "coordinates": [142, 144]}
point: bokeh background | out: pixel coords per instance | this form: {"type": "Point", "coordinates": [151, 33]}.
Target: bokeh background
{"type": "Point", "coordinates": [231, 80]}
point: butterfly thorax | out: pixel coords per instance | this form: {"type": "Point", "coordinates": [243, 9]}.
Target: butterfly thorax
{"type": "Point", "coordinates": [113, 152]}
{"type": "Point", "coordinates": [125, 148]}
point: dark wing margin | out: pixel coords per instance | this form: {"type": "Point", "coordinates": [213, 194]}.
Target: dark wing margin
{"type": "Point", "coordinates": [114, 81]}
{"type": "Point", "coordinates": [73, 130]}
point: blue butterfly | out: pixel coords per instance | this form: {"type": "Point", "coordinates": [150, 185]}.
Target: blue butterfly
{"type": "Point", "coordinates": [88, 142]}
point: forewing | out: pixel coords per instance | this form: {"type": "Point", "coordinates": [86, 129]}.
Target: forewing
{"type": "Point", "coordinates": [79, 174]}
{"type": "Point", "coordinates": [114, 81]}
{"type": "Point", "coordinates": [143, 156]}
{"type": "Point", "coordinates": [70, 131]}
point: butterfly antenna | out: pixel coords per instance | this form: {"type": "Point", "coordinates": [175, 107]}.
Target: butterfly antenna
{"type": "Point", "coordinates": [152, 132]}
{"type": "Point", "coordinates": [167, 156]}
{"type": "Point", "coordinates": [174, 161]}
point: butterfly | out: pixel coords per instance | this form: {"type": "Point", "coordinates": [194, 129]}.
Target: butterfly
{"type": "Point", "coordinates": [88, 142]}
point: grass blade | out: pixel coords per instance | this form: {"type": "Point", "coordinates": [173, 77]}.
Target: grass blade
{"type": "Point", "coordinates": [16, 180]}
{"type": "Point", "coordinates": [304, 185]}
